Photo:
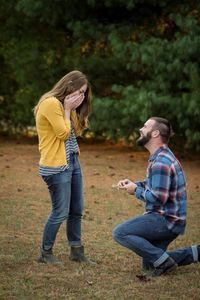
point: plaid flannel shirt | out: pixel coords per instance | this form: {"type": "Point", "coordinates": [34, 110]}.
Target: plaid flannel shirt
{"type": "Point", "coordinates": [164, 189]}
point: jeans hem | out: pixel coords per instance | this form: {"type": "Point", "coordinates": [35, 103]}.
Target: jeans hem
{"type": "Point", "coordinates": [46, 248]}
{"type": "Point", "coordinates": [161, 260]}
{"type": "Point", "coordinates": [74, 243]}
{"type": "Point", "coordinates": [195, 253]}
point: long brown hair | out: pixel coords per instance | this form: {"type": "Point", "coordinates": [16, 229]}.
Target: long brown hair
{"type": "Point", "coordinates": [68, 84]}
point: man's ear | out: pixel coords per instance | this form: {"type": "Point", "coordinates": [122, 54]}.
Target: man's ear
{"type": "Point", "coordinates": [155, 133]}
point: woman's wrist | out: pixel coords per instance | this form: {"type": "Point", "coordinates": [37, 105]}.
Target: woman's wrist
{"type": "Point", "coordinates": [67, 113]}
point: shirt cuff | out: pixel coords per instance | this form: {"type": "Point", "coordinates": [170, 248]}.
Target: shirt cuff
{"type": "Point", "coordinates": [139, 192]}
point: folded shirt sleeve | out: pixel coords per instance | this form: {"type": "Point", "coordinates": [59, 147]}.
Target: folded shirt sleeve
{"type": "Point", "coordinates": [54, 113]}
{"type": "Point", "coordinates": [158, 191]}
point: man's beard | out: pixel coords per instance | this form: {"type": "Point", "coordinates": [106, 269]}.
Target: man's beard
{"type": "Point", "coordinates": [143, 140]}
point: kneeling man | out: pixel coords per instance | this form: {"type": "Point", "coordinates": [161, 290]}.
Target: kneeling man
{"type": "Point", "coordinates": [164, 194]}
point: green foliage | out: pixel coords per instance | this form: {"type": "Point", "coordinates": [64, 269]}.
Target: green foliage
{"type": "Point", "coordinates": [141, 56]}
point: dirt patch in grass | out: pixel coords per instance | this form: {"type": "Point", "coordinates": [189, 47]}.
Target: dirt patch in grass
{"type": "Point", "coordinates": [24, 206]}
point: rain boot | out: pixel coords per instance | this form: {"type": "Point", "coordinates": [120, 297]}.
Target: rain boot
{"type": "Point", "coordinates": [77, 254]}
{"type": "Point", "coordinates": [47, 257]}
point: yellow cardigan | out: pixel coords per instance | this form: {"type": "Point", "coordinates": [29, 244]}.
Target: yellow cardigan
{"type": "Point", "coordinates": [53, 130]}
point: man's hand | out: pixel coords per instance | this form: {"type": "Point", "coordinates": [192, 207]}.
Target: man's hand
{"type": "Point", "coordinates": [127, 185]}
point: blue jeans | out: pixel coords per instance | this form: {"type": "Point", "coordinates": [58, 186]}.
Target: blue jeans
{"type": "Point", "coordinates": [148, 236]}
{"type": "Point", "coordinates": [66, 191]}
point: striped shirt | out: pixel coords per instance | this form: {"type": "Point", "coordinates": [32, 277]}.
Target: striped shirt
{"type": "Point", "coordinates": [164, 189]}
{"type": "Point", "coordinates": [71, 146]}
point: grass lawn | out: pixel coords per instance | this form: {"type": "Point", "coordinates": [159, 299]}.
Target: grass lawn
{"type": "Point", "coordinates": [24, 207]}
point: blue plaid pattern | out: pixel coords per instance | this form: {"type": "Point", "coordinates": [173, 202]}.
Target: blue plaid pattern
{"type": "Point", "coordinates": [164, 189]}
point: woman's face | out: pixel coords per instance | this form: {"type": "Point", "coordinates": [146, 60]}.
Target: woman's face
{"type": "Point", "coordinates": [83, 89]}
{"type": "Point", "coordinates": [81, 92]}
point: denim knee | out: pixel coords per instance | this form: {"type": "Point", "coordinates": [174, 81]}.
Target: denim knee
{"type": "Point", "coordinates": [116, 234]}
{"type": "Point", "coordinates": [57, 219]}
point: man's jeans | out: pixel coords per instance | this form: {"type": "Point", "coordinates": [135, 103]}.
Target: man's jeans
{"type": "Point", "coordinates": [66, 191]}
{"type": "Point", "coordinates": [148, 236]}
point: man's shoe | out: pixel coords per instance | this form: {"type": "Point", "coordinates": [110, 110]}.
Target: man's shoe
{"type": "Point", "coordinates": [198, 249]}
{"type": "Point", "coordinates": [147, 271]}
{"type": "Point", "coordinates": [167, 266]}
{"type": "Point", "coordinates": [47, 257]}
{"type": "Point", "coordinates": [77, 254]}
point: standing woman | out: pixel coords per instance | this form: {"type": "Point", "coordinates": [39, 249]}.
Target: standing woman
{"type": "Point", "coordinates": [61, 114]}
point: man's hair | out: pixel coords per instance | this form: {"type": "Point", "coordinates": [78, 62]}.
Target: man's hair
{"type": "Point", "coordinates": [164, 127]}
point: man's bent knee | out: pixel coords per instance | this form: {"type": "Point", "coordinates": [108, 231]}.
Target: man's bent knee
{"type": "Point", "coordinates": [117, 234]}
